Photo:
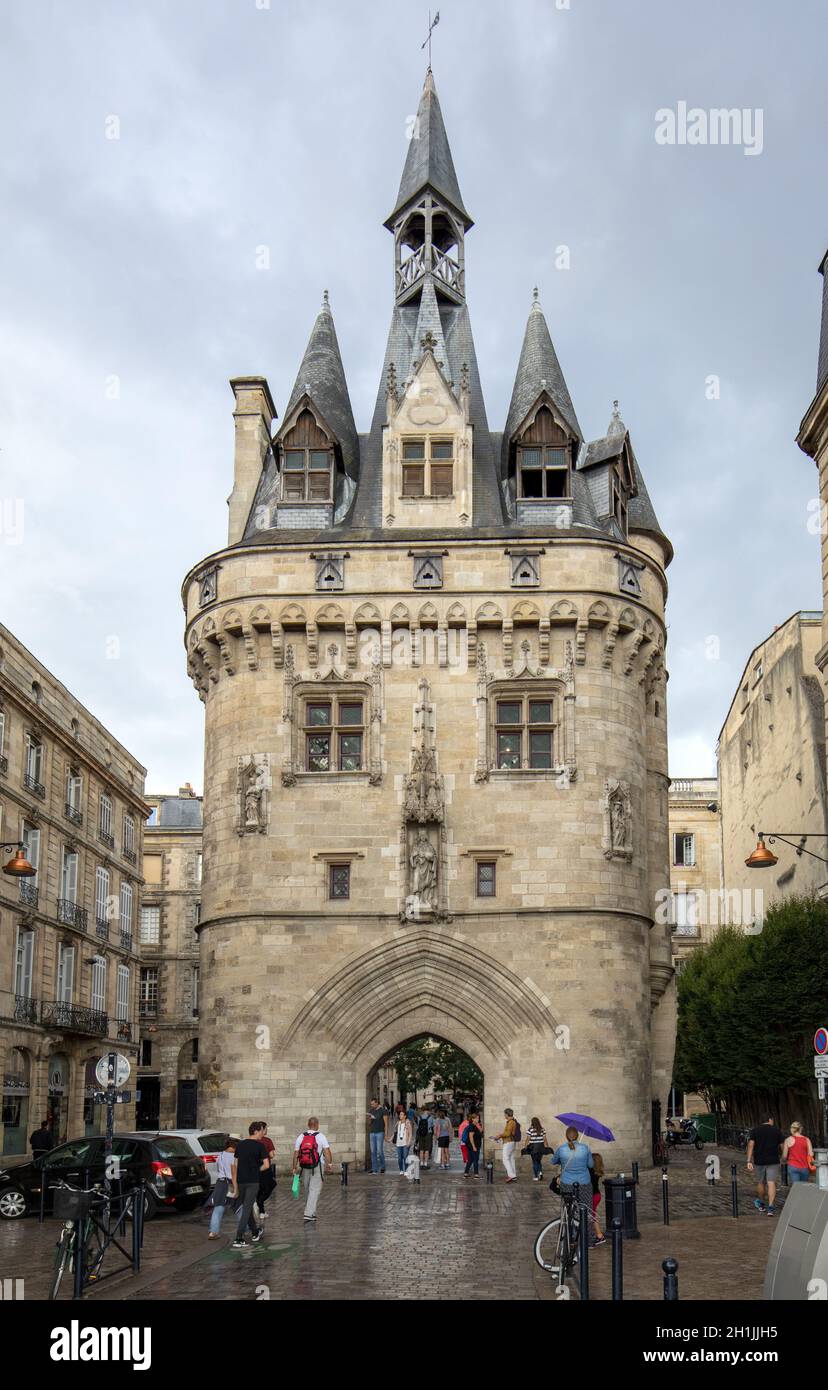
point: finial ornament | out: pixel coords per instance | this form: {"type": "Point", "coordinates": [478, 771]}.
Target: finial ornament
{"type": "Point", "coordinates": [428, 340]}
{"type": "Point", "coordinates": [535, 294]}
{"type": "Point", "coordinates": [325, 301]}
{"type": "Point", "coordinates": [432, 24]}
{"type": "Point", "coordinates": [536, 308]}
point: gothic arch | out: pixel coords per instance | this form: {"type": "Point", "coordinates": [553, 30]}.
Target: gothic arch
{"type": "Point", "coordinates": [423, 969]}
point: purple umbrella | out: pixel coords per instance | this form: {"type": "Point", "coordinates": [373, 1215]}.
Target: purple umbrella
{"type": "Point", "coordinates": [593, 1129]}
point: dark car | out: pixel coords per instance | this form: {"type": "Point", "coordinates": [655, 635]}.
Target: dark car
{"type": "Point", "coordinates": [173, 1176]}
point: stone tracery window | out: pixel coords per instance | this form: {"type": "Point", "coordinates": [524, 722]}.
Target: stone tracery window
{"type": "Point", "coordinates": [525, 730]}
{"type": "Point", "coordinates": [428, 467]}
{"type": "Point", "coordinates": [334, 731]}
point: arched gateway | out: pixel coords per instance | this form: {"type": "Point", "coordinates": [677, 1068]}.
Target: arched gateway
{"type": "Point", "coordinates": [432, 661]}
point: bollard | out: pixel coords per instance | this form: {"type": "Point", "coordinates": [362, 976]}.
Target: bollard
{"type": "Point", "coordinates": [44, 1182]}
{"type": "Point", "coordinates": [617, 1261]}
{"type": "Point", "coordinates": [490, 1171]}
{"type": "Point", "coordinates": [670, 1267]}
{"type": "Point", "coordinates": [344, 1171]}
{"type": "Point", "coordinates": [665, 1197]}
{"type": "Point", "coordinates": [80, 1257]}
{"type": "Point", "coordinates": [635, 1170]}
{"type": "Point", "coordinates": [734, 1189]}
{"type": "Point", "coordinates": [583, 1247]}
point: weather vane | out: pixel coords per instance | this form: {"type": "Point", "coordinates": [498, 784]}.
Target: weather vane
{"type": "Point", "coordinates": [432, 24]}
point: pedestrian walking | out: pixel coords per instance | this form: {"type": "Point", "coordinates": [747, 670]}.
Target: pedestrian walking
{"type": "Point", "coordinates": [311, 1153]}
{"type": "Point", "coordinates": [798, 1153]}
{"type": "Point", "coordinates": [267, 1182]}
{"type": "Point", "coordinates": [378, 1133]}
{"type": "Point", "coordinates": [249, 1163]}
{"type": "Point", "coordinates": [596, 1173]}
{"type": "Point", "coordinates": [474, 1143]}
{"type": "Point", "coordinates": [442, 1133]}
{"type": "Point", "coordinates": [576, 1164]}
{"type": "Point", "coordinates": [41, 1140]}
{"type": "Point", "coordinates": [224, 1188]}
{"type": "Point", "coordinates": [510, 1137]}
{"type": "Point", "coordinates": [764, 1147]}
{"type": "Point", "coordinates": [461, 1135]}
{"type": "Point", "coordinates": [425, 1136]}
{"type": "Point", "coordinates": [403, 1137]}
{"type": "Point", "coordinates": [535, 1147]}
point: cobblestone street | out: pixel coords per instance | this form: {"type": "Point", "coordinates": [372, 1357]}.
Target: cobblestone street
{"type": "Point", "coordinates": [449, 1238]}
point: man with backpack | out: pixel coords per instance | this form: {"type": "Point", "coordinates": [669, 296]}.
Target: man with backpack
{"type": "Point", "coordinates": [311, 1153]}
{"type": "Point", "coordinates": [511, 1136]}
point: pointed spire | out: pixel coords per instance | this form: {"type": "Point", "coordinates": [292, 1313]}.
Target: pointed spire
{"type": "Point", "coordinates": [429, 322]}
{"type": "Point", "coordinates": [322, 378]}
{"type": "Point", "coordinates": [428, 163]}
{"type": "Point", "coordinates": [539, 370]}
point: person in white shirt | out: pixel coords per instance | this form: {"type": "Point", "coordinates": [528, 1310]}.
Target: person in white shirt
{"type": "Point", "coordinates": [311, 1155]}
{"type": "Point", "coordinates": [225, 1187]}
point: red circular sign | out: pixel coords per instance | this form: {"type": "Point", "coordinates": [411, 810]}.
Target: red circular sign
{"type": "Point", "coordinates": [821, 1041]}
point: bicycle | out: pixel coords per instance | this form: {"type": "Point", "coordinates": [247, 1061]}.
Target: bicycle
{"type": "Point", "coordinates": [556, 1244]}
{"type": "Point", "coordinates": [93, 1245]}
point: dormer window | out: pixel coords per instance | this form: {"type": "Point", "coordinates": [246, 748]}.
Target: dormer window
{"type": "Point", "coordinates": [544, 455]}
{"type": "Point", "coordinates": [307, 463]}
{"type": "Point", "coordinates": [428, 467]}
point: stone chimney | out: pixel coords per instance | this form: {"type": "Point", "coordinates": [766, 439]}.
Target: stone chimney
{"type": "Point", "coordinates": [186, 791]}
{"type": "Point", "coordinates": [254, 414]}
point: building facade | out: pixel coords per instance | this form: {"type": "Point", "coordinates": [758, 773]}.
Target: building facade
{"type": "Point", "coordinates": [695, 863]}
{"type": "Point", "coordinates": [432, 662]}
{"type": "Point", "coordinates": [168, 1003]}
{"type": "Point", "coordinates": [68, 942]}
{"type": "Point", "coordinates": [771, 759]}
{"type": "Point", "coordinates": [813, 440]}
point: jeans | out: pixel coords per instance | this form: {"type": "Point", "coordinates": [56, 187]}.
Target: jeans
{"type": "Point", "coordinates": [402, 1155]}
{"type": "Point", "coordinates": [248, 1192]}
{"type": "Point", "coordinates": [536, 1155]}
{"type": "Point", "coordinates": [473, 1160]}
{"type": "Point", "coordinates": [509, 1158]}
{"type": "Point", "coordinates": [219, 1205]}
{"type": "Point", "coordinates": [377, 1152]}
{"type": "Point", "coordinates": [797, 1174]}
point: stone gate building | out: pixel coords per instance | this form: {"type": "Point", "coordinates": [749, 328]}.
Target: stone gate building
{"type": "Point", "coordinates": [432, 661]}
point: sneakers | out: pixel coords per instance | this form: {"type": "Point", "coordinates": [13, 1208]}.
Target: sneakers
{"type": "Point", "coordinates": [309, 1218]}
{"type": "Point", "coordinates": [536, 1180]}
{"type": "Point", "coordinates": [771, 1211]}
{"type": "Point", "coordinates": [511, 1179]}
{"type": "Point", "coordinates": [759, 1204]}
{"type": "Point", "coordinates": [258, 1235]}
{"type": "Point", "coordinates": [213, 1235]}
{"type": "Point", "coordinates": [600, 1240]}
{"type": "Point", "coordinates": [238, 1245]}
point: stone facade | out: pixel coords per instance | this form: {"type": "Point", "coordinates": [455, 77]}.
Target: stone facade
{"type": "Point", "coordinates": [771, 756]}
{"type": "Point", "coordinates": [366, 752]}
{"type": "Point", "coordinates": [68, 945]}
{"type": "Point", "coordinates": [695, 862]}
{"type": "Point", "coordinates": [168, 1006]}
{"type": "Point", "coordinates": [813, 440]}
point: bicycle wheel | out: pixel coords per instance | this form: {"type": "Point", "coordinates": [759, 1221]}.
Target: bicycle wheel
{"type": "Point", "coordinates": [62, 1253]}
{"type": "Point", "coordinates": [547, 1247]}
{"type": "Point", "coordinates": [569, 1249]}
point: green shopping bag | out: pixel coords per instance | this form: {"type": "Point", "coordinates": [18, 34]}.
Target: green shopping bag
{"type": "Point", "coordinates": [296, 1184]}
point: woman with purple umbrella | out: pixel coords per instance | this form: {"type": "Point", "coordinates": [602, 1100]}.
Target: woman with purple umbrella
{"type": "Point", "coordinates": [576, 1162]}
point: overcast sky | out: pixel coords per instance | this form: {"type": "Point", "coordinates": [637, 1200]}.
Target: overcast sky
{"type": "Point", "coordinates": [130, 290]}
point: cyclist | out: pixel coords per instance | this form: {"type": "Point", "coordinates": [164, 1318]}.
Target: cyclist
{"type": "Point", "coordinates": [576, 1164]}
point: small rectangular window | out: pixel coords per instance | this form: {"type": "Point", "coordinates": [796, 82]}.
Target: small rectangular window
{"type": "Point", "coordinates": [339, 880]}
{"type": "Point", "coordinates": [441, 479]}
{"type": "Point", "coordinates": [508, 750]}
{"type": "Point", "coordinates": [540, 711]}
{"type": "Point", "coordinates": [319, 753]}
{"type": "Point", "coordinates": [508, 712]}
{"type": "Point", "coordinates": [540, 750]}
{"type": "Point", "coordinates": [414, 449]}
{"type": "Point", "coordinates": [442, 449]}
{"type": "Point", "coordinates": [350, 752]}
{"type": "Point", "coordinates": [318, 714]}
{"type": "Point", "coordinates": [350, 713]}
{"type": "Point", "coordinates": [295, 459]}
{"type": "Point", "coordinates": [684, 850]}
{"type": "Point", "coordinates": [413, 480]}
{"type": "Point", "coordinates": [486, 879]}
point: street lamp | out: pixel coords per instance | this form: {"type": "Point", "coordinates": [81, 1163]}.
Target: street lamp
{"type": "Point", "coordinates": [18, 866]}
{"type": "Point", "coordinates": [763, 858]}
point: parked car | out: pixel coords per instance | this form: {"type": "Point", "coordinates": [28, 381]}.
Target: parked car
{"type": "Point", "coordinates": [205, 1143]}
{"type": "Point", "coordinates": [173, 1175]}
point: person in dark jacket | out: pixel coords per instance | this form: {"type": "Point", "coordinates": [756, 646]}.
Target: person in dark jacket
{"type": "Point", "coordinates": [474, 1141]}
{"type": "Point", "coordinates": [41, 1140]}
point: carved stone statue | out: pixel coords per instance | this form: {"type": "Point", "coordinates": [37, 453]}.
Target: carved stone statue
{"type": "Point", "coordinates": [252, 798]}
{"type": "Point", "coordinates": [619, 823]}
{"type": "Point", "coordinates": [254, 780]}
{"type": "Point", "coordinates": [617, 808]}
{"type": "Point", "coordinates": [423, 862]}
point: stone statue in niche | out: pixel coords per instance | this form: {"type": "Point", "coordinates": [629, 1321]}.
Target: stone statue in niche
{"type": "Point", "coordinates": [617, 809]}
{"type": "Point", "coordinates": [254, 781]}
{"type": "Point", "coordinates": [423, 862]}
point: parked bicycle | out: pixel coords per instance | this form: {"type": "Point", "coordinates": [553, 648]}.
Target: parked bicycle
{"type": "Point", "coordinates": [93, 1245]}
{"type": "Point", "coordinates": [556, 1244]}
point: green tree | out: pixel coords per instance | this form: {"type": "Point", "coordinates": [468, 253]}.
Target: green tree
{"type": "Point", "coordinates": [429, 1062]}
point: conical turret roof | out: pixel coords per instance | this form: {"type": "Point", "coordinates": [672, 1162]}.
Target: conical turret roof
{"type": "Point", "coordinates": [428, 163]}
{"type": "Point", "coordinates": [322, 378]}
{"type": "Point", "coordinates": [539, 370]}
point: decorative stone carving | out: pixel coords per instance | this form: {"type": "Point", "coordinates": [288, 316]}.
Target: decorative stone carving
{"type": "Point", "coordinates": [617, 808]}
{"type": "Point", "coordinates": [628, 572]}
{"type": "Point", "coordinates": [330, 570]}
{"type": "Point", "coordinates": [428, 571]}
{"type": "Point", "coordinates": [208, 586]}
{"type": "Point", "coordinates": [301, 684]}
{"type": "Point", "coordinates": [492, 686]}
{"type": "Point", "coordinates": [423, 862]}
{"type": "Point", "coordinates": [525, 569]}
{"type": "Point", "coordinates": [253, 793]}
{"type": "Point", "coordinates": [422, 836]}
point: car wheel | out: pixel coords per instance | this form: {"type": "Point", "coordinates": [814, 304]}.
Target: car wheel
{"type": "Point", "coordinates": [12, 1203]}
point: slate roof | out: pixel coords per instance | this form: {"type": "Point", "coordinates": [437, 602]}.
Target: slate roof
{"type": "Point", "coordinates": [179, 812]}
{"type": "Point", "coordinates": [538, 370]}
{"type": "Point", "coordinates": [322, 377]}
{"type": "Point", "coordinates": [429, 162]}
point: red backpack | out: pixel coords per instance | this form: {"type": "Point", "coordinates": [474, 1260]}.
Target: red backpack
{"type": "Point", "coordinates": [308, 1151]}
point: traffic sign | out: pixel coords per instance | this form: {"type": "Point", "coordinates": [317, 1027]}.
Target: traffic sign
{"type": "Point", "coordinates": [122, 1070]}
{"type": "Point", "coordinates": [821, 1041]}
{"type": "Point", "coordinates": [821, 1066]}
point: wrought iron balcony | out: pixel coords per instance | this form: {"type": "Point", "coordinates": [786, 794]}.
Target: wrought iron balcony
{"type": "Point", "coordinates": [130, 856]}
{"type": "Point", "coordinates": [69, 912]}
{"type": "Point", "coordinates": [18, 1008]}
{"type": "Point", "coordinates": [31, 784]}
{"type": "Point", "coordinates": [106, 839]}
{"type": "Point", "coordinates": [72, 813]}
{"type": "Point", "coordinates": [28, 893]}
{"type": "Point", "coordinates": [73, 1019]}
{"type": "Point", "coordinates": [126, 938]}
{"type": "Point", "coordinates": [102, 928]}
{"type": "Point", "coordinates": [4, 763]}
{"type": "Point", "coordinates": [123, 1030]}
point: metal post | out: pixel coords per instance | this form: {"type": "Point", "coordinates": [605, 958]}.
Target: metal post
{"type": "Point", "coordinates": [784, 1176]}
{"type": "Point", "coordinates": [617, 1260]}
{"type": "Point", "coordinates": [137, 1225]}
{"type": "Point", "coordinates": [490, 1172]}
{"type": "Point", "coordinates": [43, 1185]}
{"type": "Point", "coordinates": [665, 1197]}
{"type": "Point", "coordinates": [344, 1167]}
{"type": "Point", "coordinates": [670, 1267]}
{"type": "Point", "coordinates": [734, 1189]}
{"type": "Point", "coordinates": [635, 1170]}
{"type": "Point", "coordinates": [80, 1257]}
{"type": "Point", "coordinates": [583, 1247]}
